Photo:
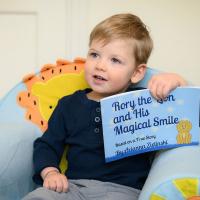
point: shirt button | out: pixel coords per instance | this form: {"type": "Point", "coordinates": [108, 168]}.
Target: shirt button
{"type": "Point", "coordinates": [98, 109]}
{"type": "Point", "coordinates": [97, 119]}
{"type": "Point", "coordinates": [96, 130]}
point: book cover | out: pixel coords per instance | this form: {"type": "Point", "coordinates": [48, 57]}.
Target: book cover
{"type": "Point", "coordinates": [134, 122]}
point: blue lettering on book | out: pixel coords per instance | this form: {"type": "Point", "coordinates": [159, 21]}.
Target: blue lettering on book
{"type": "Point", "coordinates": [132, 141]}
{"type": "Point", "coordinates": [122, 118]}
{"type": "Point", "coordinates": [168, 98]}
{"type": "Point", "coordinates": [142, 100]}
{"type": "Point", "coordinates": [149, 145]}
{"type": "Point", "coordinates": [125, 105]}
{"type": "Point", "coordinates": [156, 143]}
{"type": "Point", "coordinates": [141, 112]}
{"type": "Point", "coordinates": [120, 129]}
{"type": "Point", "coordinates": [166, 121]}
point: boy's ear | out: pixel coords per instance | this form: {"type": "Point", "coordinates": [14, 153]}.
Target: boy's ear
{"type": "Point", "coordinates": [139, 73]}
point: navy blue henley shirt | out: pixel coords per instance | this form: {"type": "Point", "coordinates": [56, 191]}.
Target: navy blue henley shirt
{"type": "Point", "coordinates": [76, 122]}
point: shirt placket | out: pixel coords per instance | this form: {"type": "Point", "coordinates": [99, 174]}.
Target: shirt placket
{"type": "Point", "coordinates": [97, 120]}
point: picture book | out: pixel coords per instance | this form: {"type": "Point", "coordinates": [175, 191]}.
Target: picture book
{"type": "Point", "coordinates": [134, 122]}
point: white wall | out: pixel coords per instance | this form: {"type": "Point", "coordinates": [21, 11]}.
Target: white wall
{"type": "Point", "coordinates": [32, 33]}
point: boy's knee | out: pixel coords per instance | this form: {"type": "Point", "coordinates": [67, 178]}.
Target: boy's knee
{"type": "Point", "coordinates": [39, 194]}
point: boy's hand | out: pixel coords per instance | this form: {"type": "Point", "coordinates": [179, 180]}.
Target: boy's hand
{"type": "Point", "coordinates": [161, 85]}
{"type": "Point", "coordinates": [54, 180]}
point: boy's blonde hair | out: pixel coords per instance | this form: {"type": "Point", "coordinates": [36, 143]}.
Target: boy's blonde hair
{"type": "Point", "coordinates": [125, 26]}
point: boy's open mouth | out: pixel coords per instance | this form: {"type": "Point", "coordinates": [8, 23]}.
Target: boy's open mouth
{"type": "Point", "coordinates": [99, 77]}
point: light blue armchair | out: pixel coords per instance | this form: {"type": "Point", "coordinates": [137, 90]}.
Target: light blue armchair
{"type": "Point", "coordinates": [17, 134]}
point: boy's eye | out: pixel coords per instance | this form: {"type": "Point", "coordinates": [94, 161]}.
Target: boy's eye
{"type": "Point", "coordinates": [93, 54]}
{"type": "Point", "coordinates": [115, 60]}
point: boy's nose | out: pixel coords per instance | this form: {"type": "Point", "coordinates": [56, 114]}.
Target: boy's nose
{"type": "Point", "coordinates": [101, 66]}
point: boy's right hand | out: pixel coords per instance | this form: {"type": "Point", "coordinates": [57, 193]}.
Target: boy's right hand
{"type": "Point", "coordinates": [54, 180]}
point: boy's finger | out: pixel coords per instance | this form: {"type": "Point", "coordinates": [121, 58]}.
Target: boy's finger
{"type": "Point", "coordinates": [65, 185]}
{"type": "Point", "coordinates": [153, 91]}
{"type": "Point", "coordinates": [166, 91]}
{"type": "Point", "coordinates": [52, 185]}
{"type": "Point", "coordinates": [45, 184]}
{"type": "Point", "coordinates": [59, 185]}
{"type": "Point", "coordinates": [160, 93]}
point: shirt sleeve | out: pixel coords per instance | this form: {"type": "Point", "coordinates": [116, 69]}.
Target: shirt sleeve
{"type": "Point", "coordinates": [48, 149]}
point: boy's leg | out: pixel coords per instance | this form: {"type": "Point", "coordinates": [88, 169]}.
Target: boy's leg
{"type": "Point", "coordinates": [118, 192]}
{"type": "Point", "coordinates": [44, 194]}
{"type": "Point", "coordinates": [87, 190]}
{"type": "Point", "coordinates": [97, 190]}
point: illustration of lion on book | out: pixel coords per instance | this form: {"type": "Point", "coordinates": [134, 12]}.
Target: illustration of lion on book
{"type": "Point", "coordinates": [183, 128]}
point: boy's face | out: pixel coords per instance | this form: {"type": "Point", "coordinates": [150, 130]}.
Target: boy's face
{"type": "Point", "coordinates": [110, 68]}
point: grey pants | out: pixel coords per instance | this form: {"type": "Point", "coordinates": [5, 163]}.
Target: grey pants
{"type": "Point", "coordinates": [87, 190]}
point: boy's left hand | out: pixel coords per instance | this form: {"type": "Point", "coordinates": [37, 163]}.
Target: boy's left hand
{"type": "Point", "coordinates": [161, 85]}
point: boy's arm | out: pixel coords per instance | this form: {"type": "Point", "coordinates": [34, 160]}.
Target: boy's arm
{"type": "Point", "coordinates": [48, 149]}
{"type": "Point", "coordinates": [161, 85]}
